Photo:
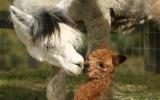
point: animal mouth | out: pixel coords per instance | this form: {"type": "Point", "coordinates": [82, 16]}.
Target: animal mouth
{"type": "Point", "coordinates": [70, 73]}
{"type": "Point", "coordinates": [76, 71]}
{"type": "Point", "coordinates": [87, 74]}
{"type": "Point", "coordinates": [92, 78]}
{"type": "Point", "coordinates": [79, 65]}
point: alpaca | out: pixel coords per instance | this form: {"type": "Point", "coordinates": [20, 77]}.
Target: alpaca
{"type": "Point", "coordinates": [101, 67]}
{"type": "Point", "coordinates": [96, 15]}
{"type": "Point", "coordinates": [51, 36]}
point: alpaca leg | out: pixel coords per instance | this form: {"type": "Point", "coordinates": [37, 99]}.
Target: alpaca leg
{"type": "Point", "coordinates": [98, 32]}
{"type": "Point", "coordinates": [57, 85]}
{"type": "Point", "coordinates": [98, 27]}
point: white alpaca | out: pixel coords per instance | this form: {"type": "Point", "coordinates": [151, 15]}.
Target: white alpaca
{"type": "Point", "coordinates": [49, 35]}
{"type": "Point", "coordinates": [55, 37]}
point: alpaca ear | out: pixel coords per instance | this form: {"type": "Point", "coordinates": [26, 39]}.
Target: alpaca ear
{"type": "Point", "coordinates": [21, 17]}
{"type": "Point", "coordinates": [22, 22]}
{"type": "Point", "coordinates": [119, 59]}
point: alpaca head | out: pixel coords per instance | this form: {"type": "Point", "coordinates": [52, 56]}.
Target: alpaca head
{"type": "Point", "coordinates": [101, 63]}
{"type": "Point", "coordinates": [49, 36]}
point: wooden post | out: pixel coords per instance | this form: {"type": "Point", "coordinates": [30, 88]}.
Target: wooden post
{"type": "Point", "coordinates": [152, 50]}
{"type": "Point", "coordinates": [4, 20]}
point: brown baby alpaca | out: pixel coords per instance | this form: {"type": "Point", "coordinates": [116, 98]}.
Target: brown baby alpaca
{"type": "Point", "coordinates": [101, 67]}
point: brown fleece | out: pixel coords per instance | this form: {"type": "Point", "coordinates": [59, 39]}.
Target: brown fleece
{"type": "Point", "coordinates": [102, 64]}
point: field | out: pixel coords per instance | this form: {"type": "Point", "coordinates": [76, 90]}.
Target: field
{"type": "Point", "coordinates": [131, 83]}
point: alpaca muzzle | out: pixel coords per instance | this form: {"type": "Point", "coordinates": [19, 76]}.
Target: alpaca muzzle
{"type": "Point", "coordinates": [86, 67]}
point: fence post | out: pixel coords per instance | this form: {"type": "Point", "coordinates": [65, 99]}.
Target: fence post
{"type": "Point", "coordinates": [152, 50]}
{"type": "Point", "coordinates": [5, 20]}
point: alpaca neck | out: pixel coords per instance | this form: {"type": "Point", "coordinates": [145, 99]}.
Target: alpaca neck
{"type": "Point", "coordinates": [101, 84]}
{"type": "Point", "coordinates": [57, 84]}
{"type": "Point", "coordinates": [92, 89]}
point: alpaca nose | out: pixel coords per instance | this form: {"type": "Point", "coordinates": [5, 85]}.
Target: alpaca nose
{"type": "Point", "coordinates": [86, 66]}
{"type": "Point", "coordinates": [79, 64]}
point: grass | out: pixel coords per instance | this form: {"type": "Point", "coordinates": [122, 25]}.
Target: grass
{"type": "Point", "coordinates": [23, 84]}
{"type": "Point", "coordinates": [30, 84]}
{"type": "Point", "coordinates": [131, 83]}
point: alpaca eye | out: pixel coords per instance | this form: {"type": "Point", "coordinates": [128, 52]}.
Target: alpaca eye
{"type": "Point", "coordinates": [102, 65]}
{"type": "Point", "coordinates": [49, 47]}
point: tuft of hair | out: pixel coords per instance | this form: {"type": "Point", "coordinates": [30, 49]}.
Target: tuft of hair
{"type": "Point", "coordinates": [47, 23]}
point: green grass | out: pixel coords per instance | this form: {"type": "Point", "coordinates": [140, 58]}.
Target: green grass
{"type": "Point", "coordinates": [27, 84]}
{"type": "Point", "coordinates": [131, 83]}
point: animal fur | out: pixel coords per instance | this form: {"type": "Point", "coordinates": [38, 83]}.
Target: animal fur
{"type": "Point", "coordinates": [124, 15]}
{"type": "Point", "coordinates": [102, 65]}
{"type": "Point", "coordinates": [99, 17]}
{"type": "Point", "coordinates": [51, 36]}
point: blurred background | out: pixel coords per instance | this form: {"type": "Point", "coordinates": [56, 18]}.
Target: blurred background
{"type": "Point", "coordinates": [23, 78]}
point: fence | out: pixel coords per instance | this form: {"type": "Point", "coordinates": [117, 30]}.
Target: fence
{"type": "Point", "coordinates": [143, 43]}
